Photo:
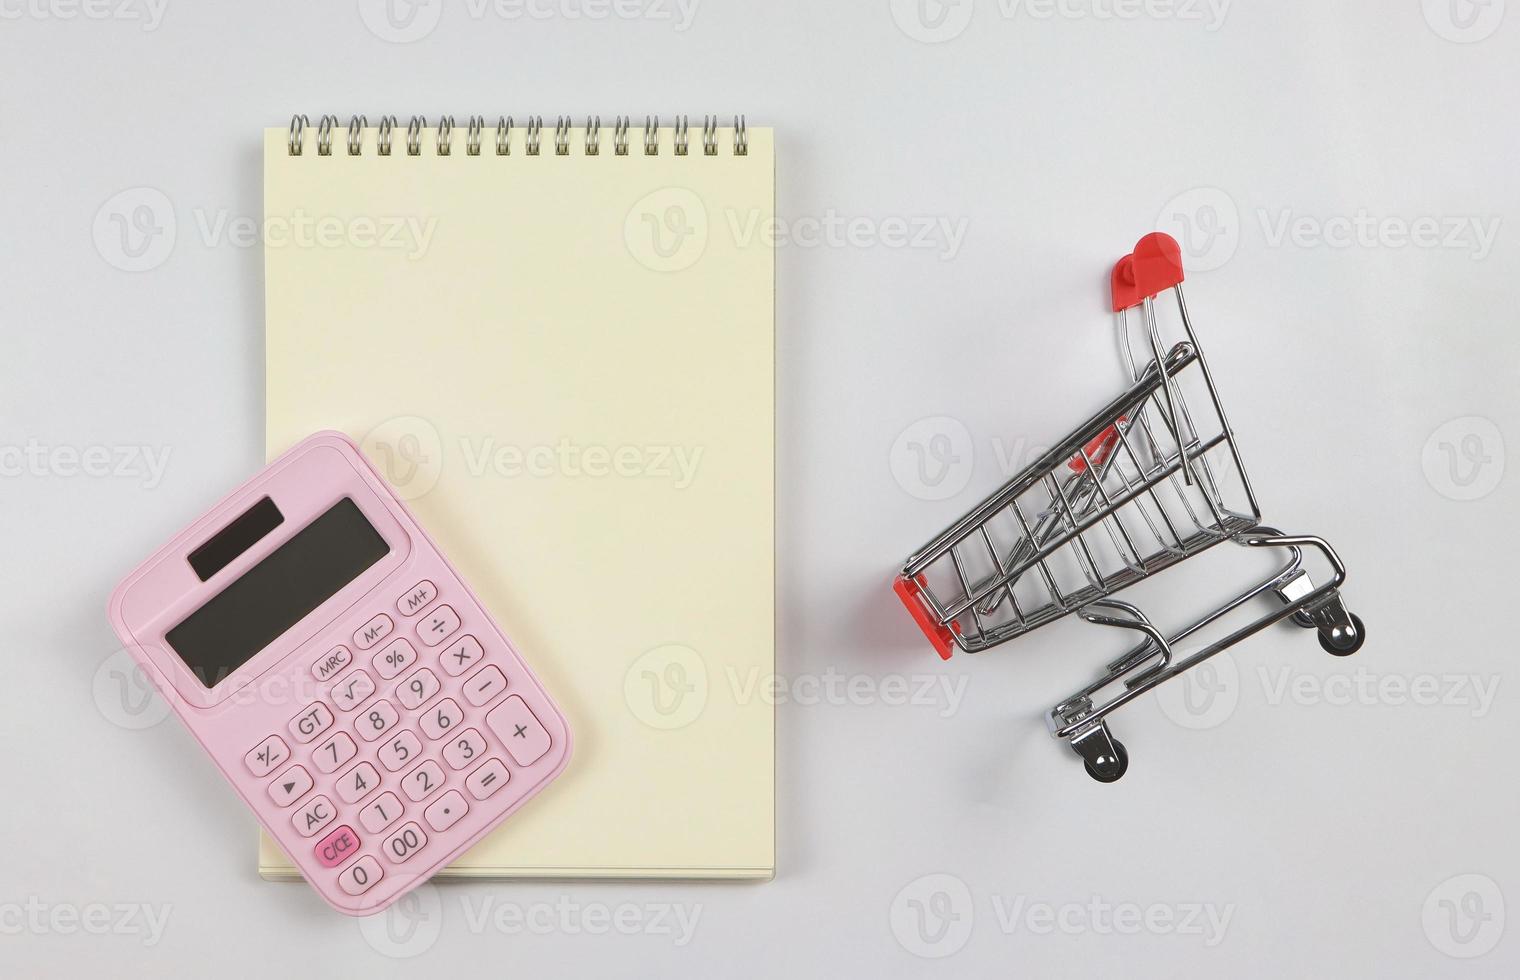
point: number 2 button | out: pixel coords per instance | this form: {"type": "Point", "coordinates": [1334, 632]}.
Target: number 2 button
{"type": "Point", "coordinates": [423, 780]}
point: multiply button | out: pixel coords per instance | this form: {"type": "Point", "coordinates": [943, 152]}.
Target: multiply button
{"type": "Point", "coordinates": [438, 625]}
{"type": "Point", "coordinates": [262, 758]}
{"type": "Point", "coordinates": [310, 723]}
{"type": "Point", "coordinates": [519, 731]}
{"type": "Point", "coordinates": [337, 847]}
{"type": "Point", "coordinates": [461, 655]}
{"type": "Point", "coordinates": [373, 631]}
{"type": "Point", "coordinates": [417, 599]}
{"type": "Point", "coordinates": [291, 785]}
{"type": "Point", "coordinates": [361, 877]}
{"type": "Point", "coordinates": [334, 661]}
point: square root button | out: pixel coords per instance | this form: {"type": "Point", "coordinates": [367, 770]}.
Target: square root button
{"type": "Point", "coordinates": [519, 731]}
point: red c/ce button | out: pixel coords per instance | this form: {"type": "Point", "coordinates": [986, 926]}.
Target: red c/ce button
{"type": "Point", "coordinates": [337, 847]}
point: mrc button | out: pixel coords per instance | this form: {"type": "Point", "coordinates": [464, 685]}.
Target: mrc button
{"type": "Point", "coordinates": [331, 662]}
{"type": "Point", "coordinates": [337, 847]}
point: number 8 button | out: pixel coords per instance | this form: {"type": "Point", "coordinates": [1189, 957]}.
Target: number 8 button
{"type": "Point", "coordinates": [441, 720]}
{"type": "Point", "coordinates": [376, 721]}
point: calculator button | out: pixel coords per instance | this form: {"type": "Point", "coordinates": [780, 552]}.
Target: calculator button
{"type": "Point", "coordinates": [358, 782]}
{"type": "Point", "coordinates": [441, 719]}
{"type": "Point", "coordinates": [417, 689]}
{"type": "Point", "coordinates": [352, 692]}
{"type": "Point", "coordinates": [438, 625]}
{"type": "Point", "coordinates": [485, 686]}
{"type": "Point", "coordinates": [423, 781]}
{"type": "Point", "coordinates": [361, 877]}
{"type": "Point", "coordinates": [373, 631]}
{"type": "Point", "coordinates": [404, 843]}
{"type": "Point", "coordinates": [310, 723]}
{"type": "Point", "coordinates": [384, 811]}
{"type": "Point", "coordinates": [399, 751]}
{"type": "Point", "coordinates": [378, 720]}
{"type": "Point", "coordinates": [463, 749]}
{"type": "Point", "coordinates": [262, 758]}
{"type": "Point", "coordinates": [448, 811]}
{"type": "Point", "coordinates": [487, 779]}
{"type": "Point", "coordinates": [519, 731]}
{"type": "Point", "coordinates": [337, 847]}
{"type": "Point", "coordinates": [417, 599]}
{"type": "Point", "coordinates": [314, 816]}
{"type": "Point", "coordinates": [335, 660]}
{"type": "Point", "coordinates": [395, 658]}
{"type": "Point", "coordinates": [289, 786]}
{"type": "Point", "coordinates": [461, 655]}
{"type": "Point", "coordinates": [334, 752]}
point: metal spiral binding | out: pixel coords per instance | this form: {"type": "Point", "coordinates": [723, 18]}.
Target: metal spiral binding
{"type": "Point", "coordinates": [356, 127]}
{"type": "Point", "coordinates": [324, 135]}
{"type": "Point", "coordinates": [327, 126]}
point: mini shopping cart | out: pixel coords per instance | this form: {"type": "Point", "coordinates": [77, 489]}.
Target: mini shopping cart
{"type": "Point", "coordinates": [1142, 485]}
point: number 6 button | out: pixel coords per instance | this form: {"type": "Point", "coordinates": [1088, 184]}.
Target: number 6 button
{"type": "Point", "coordinates": [441, 720]}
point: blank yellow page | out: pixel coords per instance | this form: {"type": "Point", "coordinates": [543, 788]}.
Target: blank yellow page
{"type": "Point", "coordinates": [565, 364]}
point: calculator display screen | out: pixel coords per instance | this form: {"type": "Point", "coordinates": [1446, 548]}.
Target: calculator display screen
{"type": "Point", "coordinates": [274, 595]}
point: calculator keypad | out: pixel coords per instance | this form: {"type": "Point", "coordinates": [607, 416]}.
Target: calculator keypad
{"type": "Point", "coordinates": [403, 787]}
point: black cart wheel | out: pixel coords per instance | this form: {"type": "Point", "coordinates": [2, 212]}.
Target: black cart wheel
{"type": "Point", "coordinates": [1341, 645]}
{"type": "Point", "coordinates": [1109, 768]}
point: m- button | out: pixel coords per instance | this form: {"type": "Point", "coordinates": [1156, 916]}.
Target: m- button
{"type": "Point", "coordinates": [373, 631]}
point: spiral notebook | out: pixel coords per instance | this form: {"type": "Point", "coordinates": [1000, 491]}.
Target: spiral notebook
{"type": "Point", "coordinates": [557, 343]}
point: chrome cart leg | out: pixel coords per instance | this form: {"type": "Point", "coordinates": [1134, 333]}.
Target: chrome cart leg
{"type": "Point", "coordinates": [1103, 755]}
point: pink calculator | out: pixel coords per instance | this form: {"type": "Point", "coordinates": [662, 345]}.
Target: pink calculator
{"type": "Point", "coordinates": [342, 675]}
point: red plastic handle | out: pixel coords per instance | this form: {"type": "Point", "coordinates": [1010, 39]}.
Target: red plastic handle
{"type": "Point", "coordinates": [1099, 448]}
{"type": "Point", "coordinates": [908, 590]}
{"type": "Point", "coordinates": [1155, 265]}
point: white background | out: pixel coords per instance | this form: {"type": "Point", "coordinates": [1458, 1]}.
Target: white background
{"type": "Point", "coordinates": [1329, 818]}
